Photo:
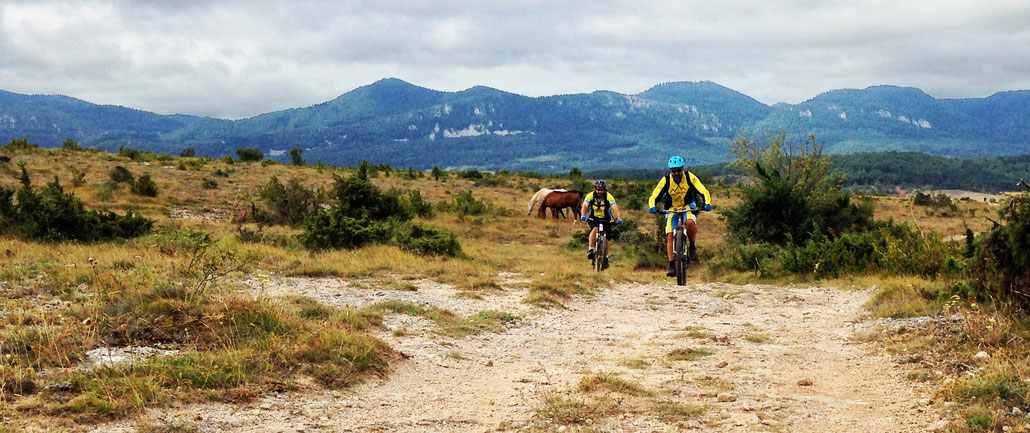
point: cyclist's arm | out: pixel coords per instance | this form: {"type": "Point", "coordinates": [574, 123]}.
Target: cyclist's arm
{"type": "Point", "coordinates": [654, 194]}
{"type": "Point", "coordinates": [615, 207]}
{"type": "Point", "coordinates": [701, 189]}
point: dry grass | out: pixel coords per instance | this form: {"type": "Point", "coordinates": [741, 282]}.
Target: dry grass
{"type": "Point", "coordinates": [688, 354]}
{"type": "Point", "coordinates": [63, 299]}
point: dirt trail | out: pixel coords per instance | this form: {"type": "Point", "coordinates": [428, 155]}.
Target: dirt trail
{"type": "Point", "coordinates": [483, 382]}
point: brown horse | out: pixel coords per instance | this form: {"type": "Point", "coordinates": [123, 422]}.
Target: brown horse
{"type": "Point", "coordinates": [559, 200]}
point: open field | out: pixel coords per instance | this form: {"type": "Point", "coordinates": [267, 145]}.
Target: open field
{"type": "Point", "coordinates": [255, 332]}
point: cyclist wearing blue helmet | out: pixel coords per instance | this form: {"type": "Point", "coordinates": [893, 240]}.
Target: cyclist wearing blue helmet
{"type": "Point", "coordinates": [680, 192]}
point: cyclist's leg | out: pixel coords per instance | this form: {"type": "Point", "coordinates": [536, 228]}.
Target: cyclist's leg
{"type": "Point", "coordinates": [691, 225]}
{"type": "Point", "coordinates": [593, 237]}
{"type": "Point", "coordinates": [668, 235]}
{"type": "Point", "coordinates": [691, 228]}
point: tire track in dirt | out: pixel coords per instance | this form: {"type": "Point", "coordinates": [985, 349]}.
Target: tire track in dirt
{"type": "Point", "coordinates": [783, 359]}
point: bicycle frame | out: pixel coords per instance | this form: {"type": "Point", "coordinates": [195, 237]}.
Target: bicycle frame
{"type": "Point", "coordinates": [600, 245]}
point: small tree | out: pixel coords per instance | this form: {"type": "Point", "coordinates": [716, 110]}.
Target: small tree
{"type": "Point", "coordinates": [21, 144]}
{"type": "Point", "coordinates": [249, 154]}
{"type": "Point", "coordinates": [69, 144]}
{"type": "Point", "coordinates": [144, 186]}
{"type": "Point", "coordinates": [121, 174]}
{"type": "Point", "coordinates": [295, 156]}
{"type": "Point", "coordinates": [1001, 265]}
{"type": "Point", "coordinates": [288, 204]}
{"type": "Point", "coordinates": [797, 196]}
{"type": "Point", "coordinates": [188, 152]}
{"type": "Point", "coordinates": [437, 173]}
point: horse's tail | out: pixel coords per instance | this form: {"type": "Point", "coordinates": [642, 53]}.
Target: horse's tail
{"type": "Point", "coordinates": [537, 198]}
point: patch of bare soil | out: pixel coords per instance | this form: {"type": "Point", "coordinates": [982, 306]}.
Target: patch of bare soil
{"type": "Point", "coordinates": [783, 359]}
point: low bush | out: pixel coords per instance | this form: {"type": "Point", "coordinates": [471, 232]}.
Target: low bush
{"type": "Point", "coordinates": [418, 206]}
{"type": "Point", "coordinates": [121, 174]}
{"type": "Point", "coordinates": [21, 144]}
{"type": "Point", "coordinates": [466, 204]}
{"type": "Point", "coordinates": [286, 204]}
{"type": "Point", "coordinates": [51, 214]}
{"type": "Point", "coordinates": [336, 229]}
{"type": "Point", "coordinates": [188, 152]}
{"type": "Point", "coordinates": [249, 154]}
{"type": "Point", "coordinates": [144, 186]}
{"type": "Point", "coordinates": [129, 152]}
{"type": "Point", "coordinates": [1000, 266]}
{"type": "Point", "coordinates": [470, 174]}
{"type": "Point", "coordinates": [424, 239]}
{"type": "Point", "coordinates": [70, 145]}
{"type": "Point", "coordinates": [891, 249]}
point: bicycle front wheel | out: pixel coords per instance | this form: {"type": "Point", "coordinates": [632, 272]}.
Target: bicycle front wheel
{"type": "Point", "coordinates": [680, 250]}
{"type": "Point", "coordinates": [601, 246]}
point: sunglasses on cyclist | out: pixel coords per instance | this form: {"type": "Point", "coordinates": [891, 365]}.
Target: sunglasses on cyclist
{"type": "Point", "coordinates": [676, 170]}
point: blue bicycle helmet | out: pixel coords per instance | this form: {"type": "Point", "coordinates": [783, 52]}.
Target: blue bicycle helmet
{"type": "Point", "coordinates": [676, 162]}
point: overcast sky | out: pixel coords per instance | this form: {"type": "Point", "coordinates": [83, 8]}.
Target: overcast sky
{"type": "Point", "coordinates": [234, 59]}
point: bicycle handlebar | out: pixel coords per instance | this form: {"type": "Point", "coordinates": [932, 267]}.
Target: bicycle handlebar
{"type": "Point", "coordinates": [698, 210]}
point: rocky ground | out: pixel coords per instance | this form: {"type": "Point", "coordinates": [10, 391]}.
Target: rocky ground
{"type": "Point", "coordinates": [782, 359]}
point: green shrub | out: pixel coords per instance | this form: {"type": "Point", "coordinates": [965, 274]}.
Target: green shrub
{"type": "Point", "coordinates": [21, 144]}
{"type": "Point", "coordinates": [358, 198]}
{"type": "Point", "coordinates": [287, 204]}
{"type": "Point", "coordinates": [144, 186]}
{"type": "Point", "coordinates": [1000, 267]}
{"type": "Point", "coordinates": [796, 197]}
{"type": "Point", "coordinates": [335, 229]}
{"type": "Point", "coordinates": [209, 184]}
{"type": "Point", "coordinates": [891, 249]}
{"type": "Point", "coordinates": [129, 152]}
{"type": "Point", "coordinates": [228, 160]}
{"type": "Point", "coordinates": [437, 173]}
{"type": "Point", "coordinates": [362, 215]}
{"type": "Point", "coordinates": [53, 215]}
{"type": "Point", "coordinates": [427, 240]}
{"type": "Point", "coordinates": [465, 204]}
{"type": "Point", "coordinates": [188, 152]}
{"type": "Point", "coordinates": [71, 145]}
{"type": "Point", "coordinates": [470, 174]}
{"type": "Point", "coordinates": [249, 154]}
{"type": "Point", "coordinates": [296, 157]}
{"type": "Point", "coordinates": [418, 206]}
{"type": "Point", "coordinates": [121, 174]}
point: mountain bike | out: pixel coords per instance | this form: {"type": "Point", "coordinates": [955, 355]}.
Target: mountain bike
{"type": "Point", "coordinates": [600, 245]}
{"type": "Point", "coordinates": [681, 256]}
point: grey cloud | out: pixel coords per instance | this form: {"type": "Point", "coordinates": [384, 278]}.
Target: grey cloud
{"type": "Point", "coordinates": [237, 59]}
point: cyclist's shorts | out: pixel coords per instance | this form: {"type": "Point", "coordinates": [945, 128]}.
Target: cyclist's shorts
{"type": "Point", "coordinates": [675, 219]}
{"type": "Point", "coordinates": [608, 233]}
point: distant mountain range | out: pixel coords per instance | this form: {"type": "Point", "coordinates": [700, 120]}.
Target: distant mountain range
{"type": "Point", "coordinates": [394, 122]}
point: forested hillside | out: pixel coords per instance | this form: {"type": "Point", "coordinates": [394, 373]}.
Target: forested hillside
{"type": "Point", "coordinates": [883, 171]}
{"type": "Point", "coordinates": [397, 123]}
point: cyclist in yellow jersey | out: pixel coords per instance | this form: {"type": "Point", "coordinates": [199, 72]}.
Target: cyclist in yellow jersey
{"type": "Point", "coordinates": [680, 192]}
{"type": "Point", "coordinates": [601, 205]}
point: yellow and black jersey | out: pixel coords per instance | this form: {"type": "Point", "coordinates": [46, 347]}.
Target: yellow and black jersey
{"type": "Point", "coordinates": [679, 195]}
{"type": "Point", "coordinates": [600, 208]}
